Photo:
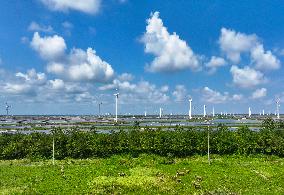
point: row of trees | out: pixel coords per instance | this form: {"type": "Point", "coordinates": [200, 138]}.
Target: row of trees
{"type": "Point", "coordinates": [183, 141]}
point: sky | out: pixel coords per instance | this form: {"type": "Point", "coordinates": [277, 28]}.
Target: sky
{"type": "Point", "coordinates": [66, 57]}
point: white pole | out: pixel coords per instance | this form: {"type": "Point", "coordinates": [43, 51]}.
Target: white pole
{"type": "Point", "coordinates": [190, 110]}
{"type": "Point", "coordinates": [204, 111]}
{"type": "Point", "coordinates": [53, 149]}
{"type": "Point", "coordinates": [208, 146]}
{"type": "Point", "coordinates": [145, 114]}
{"type": "Point", "coordinates": [213, 112]}
{"type": "Point", "coordinates": [263, 112]}
{"type": "Point", "coordinates": [160, 112]}
{"type": "Point", "coordinates": [116, 97]}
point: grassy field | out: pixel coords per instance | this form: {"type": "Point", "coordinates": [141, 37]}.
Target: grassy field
{"type": "Point", "coordinates": [146, 174]}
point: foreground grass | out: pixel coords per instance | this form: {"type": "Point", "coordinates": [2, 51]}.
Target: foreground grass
{"type": "Point", "coordinates": [146, 174]}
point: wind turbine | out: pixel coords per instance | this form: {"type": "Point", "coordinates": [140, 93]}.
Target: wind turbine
{"type": "Point", "coordinates": [204, 110]}
{"type": "Point", "coordinates": [190, 109]}
{"type": "Point", "coordinates": [7, 108]}
{"type": "Point", "coordinates": [100, 108]}
{"type": "Point", "coordinates": [116, 101]}
{"type": "Point", "coordinates": [249, 112]}
{"type": "Point", "coordinates": [161, 112]}
{"type": "Point", "coordinates": [277, 107]}
{"type": "Point", "coordinates": [213, 112]}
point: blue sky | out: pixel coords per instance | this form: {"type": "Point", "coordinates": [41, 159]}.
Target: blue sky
{"type": "Point", "coordinates": [64, 57]}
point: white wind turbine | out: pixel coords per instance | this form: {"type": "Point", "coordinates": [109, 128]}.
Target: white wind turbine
{"type": "Point", "coordinates": [116, 102]}
{"type": "Point", "coordinates": [278, 108]}
{"type": "Point", "coordinates": [204, 110]}
{"type": "Point", "coordinates": [190, 108]}
{"type": "Point", "coordinates": [249, 112]}
{"type": "Point", "coordinates": [7, 108]}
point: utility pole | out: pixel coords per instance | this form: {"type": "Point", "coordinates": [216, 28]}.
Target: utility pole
{"type": "Point", "coordinates": [53, 150]}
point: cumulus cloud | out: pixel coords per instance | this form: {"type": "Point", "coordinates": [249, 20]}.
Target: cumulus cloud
{"type": "Point", "coordinates": [17, 88]}
{"type": "Point", "coordinates": [50, 47]}
{"type": "Point", "coordinates": [214, 97]}
{"type": "Point", "coordinates": [126, 77]}
{"type": "Point", "coordinates": [32, 77]}
{"type": "Point", "coordinates": [86, 6]}
{"type": "Point", "coordinates": [55, 67]}
{"type": "Point", "coordinates": [171, 53]}
{"type": "Point", "coordinates": [232, 43]}
{"type": "Point", "coordinates": [180, 93]}
{"type": "Point", "coordinates": [247, 77]}
{"type": "Point", "coordinates": [37, 27]}
{"type": "Point", "coordinates": [215, 63]}
{"type": "Point", "coordinates": [87, 66]}
{"type": "Point", "coordinates": [78, 65]}
{"type": "Point", "coordinates": [237, 97]}
{"type": "Point", "coordinates": [264, 60]}
{"type": "Point", "coordinates": [57, 84]}
{"type": "Point", "coordinates": [140, 92]}
{"type": "Point", "coordinates": [259, 93]}
{"type": "Point", "coordinates": [23, 83]}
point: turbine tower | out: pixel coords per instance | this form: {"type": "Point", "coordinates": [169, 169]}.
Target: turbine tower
{"type": "Point", "coordinates": [263, 112]}
{"type": "Point", "coordinates": [7, 108]}
{"type": "Point", "coordinates": [190, 109]}
{"type": "Point", "coordinates": [100, 108]}
{"type": "Point", "coordinates": [160, 112]}
{"type": "Point", "coordinates": [116, 101]}
{"type": "Point", "coordinates": [213, 112]}
{"type": "Point", "coordinates": [249, 112]}
{"type": "Point", "coordinates": [277, 108]}
{"type": "Point", "coordinates": [204, 110]}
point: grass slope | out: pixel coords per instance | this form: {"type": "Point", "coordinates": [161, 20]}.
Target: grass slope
{"type": "Point", "coordinates": [146, 174]}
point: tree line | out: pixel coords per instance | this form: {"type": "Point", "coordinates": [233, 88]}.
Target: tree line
{"type": "Point", "coordinates": [180, 142]}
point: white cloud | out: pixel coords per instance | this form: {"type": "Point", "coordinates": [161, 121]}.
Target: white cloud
{"type": "Point", "coordinates": [32, 77]}
{"type": "Point", "coordinates": [264, 60]}
{"type": "Point", "coordinates": [237, 97]}
{"type": "Point", "coordinates": [180, 93]}
{"type": "Point", "coordinates": [86, 6]}
{"type": "Point", "coordinates": [87, 66]}
{"type": "Point", "coordinates": [55, 67]}
{"type": "Point", "coordinates": [57, 84]}
{"type": "Point", "coordinates": [233, 43]}
{"type": "Point", "coordinates": [82, 66]}
{"type": "Point", "coordinates": [50, 48]}
{"type": "Point", "coordinates": [171, 53]}
{"type": "Point", "coordinates": [247, 77]}
{"type": "Point", "coordinates": [126, 77]}
{"type": "Point", "coordinates": [215, 63]}
{"type": "Point", "coordinates": [164, 88]}
{"type": "Point", "coordinates": [79, 65]}
{"type": "Point", "coordinates": [16, 88]}
{"type": "Point", "coordinates": [259, 93]}
{"type": "Point", "coordinates": [37, 27]}
{"type": "Point", "coordinates": [67, 25]}
{"type": "Point", "coordinates": [23, 83]}
{"type": "Point", "coordinates": [214, 97]}
{"type": "Point", "coordinates": [140, 92]}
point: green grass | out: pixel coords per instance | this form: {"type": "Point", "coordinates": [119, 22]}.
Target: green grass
{"type": "Point", "coordinates": [146, 174]}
